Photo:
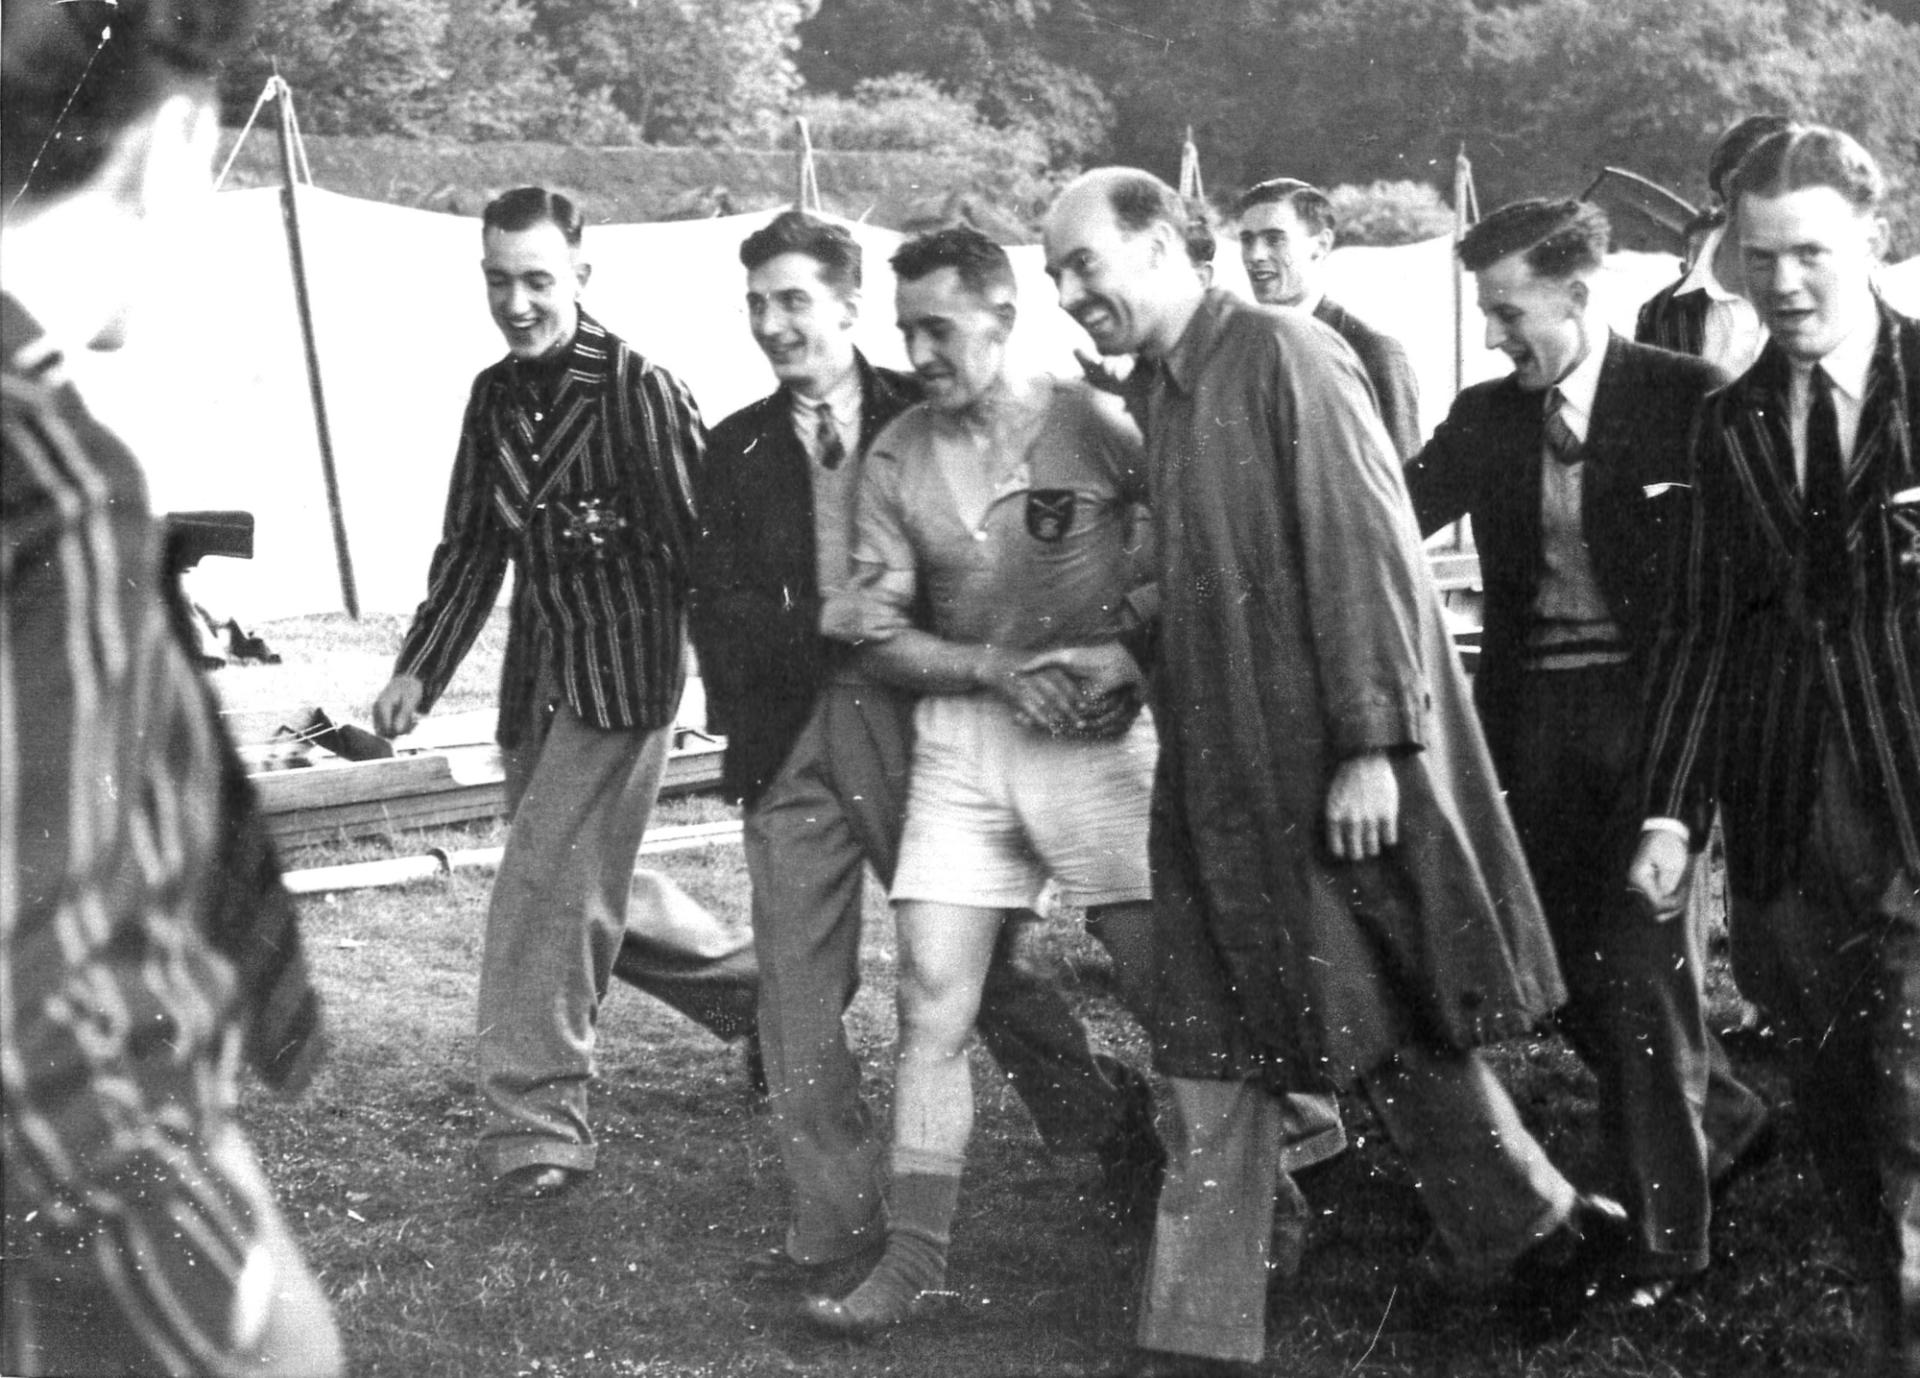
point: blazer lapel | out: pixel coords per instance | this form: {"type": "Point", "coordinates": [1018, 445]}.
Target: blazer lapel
{"type": "Point", "coordinates": [1761, 448]}
{"type": "Point", "coordinates": [570, 425]}
{"type": "Point", "coordinates": [1885, 442]}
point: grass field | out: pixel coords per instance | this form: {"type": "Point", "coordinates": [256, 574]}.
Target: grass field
{"type": "Point", "coordinates": [651, 1268]}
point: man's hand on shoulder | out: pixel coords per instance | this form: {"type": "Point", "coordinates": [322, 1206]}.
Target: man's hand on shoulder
{"type": "Point", "coordinates": [397, 711]}
{"type": "Point", "coordinates": [1363, 807]}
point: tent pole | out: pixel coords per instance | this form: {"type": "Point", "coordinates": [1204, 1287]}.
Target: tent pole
{"type": "Point", "coordinates": [290, 216]}
{"type": "Point", "coordinates": [1462, 189]}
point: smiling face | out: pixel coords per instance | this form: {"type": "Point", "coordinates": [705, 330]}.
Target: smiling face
{"type": "Point", "coordinates": [534, 279]}
{"type": "Point", "coordinates": [1103, 273]}
{"type": "Point", "coordinates": [1281, 253]}
{"type": "Point", "coordinates": [1808, 258]}
{"type": "Point", "coordinates": [956, 339]}
{"type": "Point", "coordinates": [802, 322]}
{"type": "Point", "coordinates": [1538, 322]}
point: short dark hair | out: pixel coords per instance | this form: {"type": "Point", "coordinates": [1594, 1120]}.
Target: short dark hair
{"type": "Point", "coordinates": [86, 70]}
{"type": "Point", "coordinates": [1810, 155]}
{"type": "Point", "coordinates": [1558, 238]}
{"type": "Point", "coordinates": [524, 207]}
{"type": "Point", "coordinates": [1308, 202]}
{"type": "Point", "coordinates": [1738, 140]}
{"type": "Point", "coordinates": [982, 265]}
{"type": "Point", "coordinates": [795, 232]}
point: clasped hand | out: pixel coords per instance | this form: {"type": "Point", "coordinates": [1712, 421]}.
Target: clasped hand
{"type": "Point", "coordinates": [1077, 691]}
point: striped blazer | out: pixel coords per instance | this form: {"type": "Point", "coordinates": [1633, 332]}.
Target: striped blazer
{"type": "Point", "coordinates": [1748, 683]}
{"type": "Point", "coordinates": [1675, 320]}
{"type": "Point", "coordinates": [590, 497]}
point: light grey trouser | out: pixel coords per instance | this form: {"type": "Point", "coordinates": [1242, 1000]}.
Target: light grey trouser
{"type": "Point", "coordinates": [554, 926]}
{"type": "Point", "coordinates": [1483, 1178]}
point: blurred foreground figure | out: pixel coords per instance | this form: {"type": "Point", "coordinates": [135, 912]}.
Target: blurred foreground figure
{"type": "Point", "coordinates": [145, 941]}
{"type": "Point", "coordinates": [576, 466]}
{"type": "Point", "coordinates": [1787, 690]}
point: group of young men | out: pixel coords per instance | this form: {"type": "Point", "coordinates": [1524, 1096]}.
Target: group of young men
{"type": "Point", "coordinates": [980, 630]}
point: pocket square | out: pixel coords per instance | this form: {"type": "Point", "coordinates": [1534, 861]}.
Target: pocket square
{"type": "Point", "coordinates": [1654, 490]}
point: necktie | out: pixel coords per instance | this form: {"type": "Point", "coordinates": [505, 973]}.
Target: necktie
{"type": "Point", "coordinates": [827, 439]}
{"type": "Point", "coordinates": [1560, 440]}
{"type": "Point", "coordinates": [1826, 495]}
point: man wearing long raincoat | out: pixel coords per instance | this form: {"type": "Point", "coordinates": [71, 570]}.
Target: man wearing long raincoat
{"type": "Point", "coordinates": [1339, 893]}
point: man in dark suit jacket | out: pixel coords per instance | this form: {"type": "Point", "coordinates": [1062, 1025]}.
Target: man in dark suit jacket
{"type": "Point", "coordinates": [1568, 467]}
{"type": "Point", "coordinates": [1787, 690]}
{"type": "Point", "coordinates": [818, 753]}
{"type": "Point", "coordinates": [1287, 230]}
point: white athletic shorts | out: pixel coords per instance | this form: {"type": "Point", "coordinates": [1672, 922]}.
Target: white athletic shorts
{"type": "Point", "coordinates": [994, 809]}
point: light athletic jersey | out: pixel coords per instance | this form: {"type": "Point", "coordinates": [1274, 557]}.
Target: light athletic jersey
{"type": "Point", "coordinates": [1023, 534]}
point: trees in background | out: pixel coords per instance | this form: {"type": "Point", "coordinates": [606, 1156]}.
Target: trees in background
{"type": "Point", "coordinates": [1542, 93]}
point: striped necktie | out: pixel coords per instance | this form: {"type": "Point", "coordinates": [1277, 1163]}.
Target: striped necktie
{"type": "Point", "coordinates": [1560, 440]}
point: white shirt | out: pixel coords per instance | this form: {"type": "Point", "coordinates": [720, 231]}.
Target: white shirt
{"type": "Point", "coordinates": [843, 405]}
{"type": "Point", "coordinates": [1846, 365]}
{"type": "Point", "coordinates": [1734, 336]}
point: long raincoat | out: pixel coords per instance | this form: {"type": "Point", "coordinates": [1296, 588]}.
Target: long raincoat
{"type": "Point", "coordinates": [1300, 626]}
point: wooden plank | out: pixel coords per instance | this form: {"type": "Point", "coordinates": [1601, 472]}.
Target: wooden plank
{"type": "Point", "coordinates": [326, 803]}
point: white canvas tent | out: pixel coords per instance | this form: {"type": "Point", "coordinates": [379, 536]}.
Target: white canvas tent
{"type": "Point", "coordinates": [214, 396]}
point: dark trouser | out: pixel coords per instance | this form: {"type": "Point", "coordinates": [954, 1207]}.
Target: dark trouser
{"type": "Point", "coordinates": [1835, 958]}
{"type": "Point", "coordinates": [836, 807]}
{"type": "Point", "coordinates": [1670, 1105]}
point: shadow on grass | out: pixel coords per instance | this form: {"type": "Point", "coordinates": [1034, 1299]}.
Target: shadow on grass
{"type": "Point", "coordinates": [656, 1265]}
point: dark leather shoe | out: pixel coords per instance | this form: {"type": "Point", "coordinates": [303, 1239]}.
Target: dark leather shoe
{"type": "Point", "coordinates": [1579, 1262]}
{"type": "Point", "coordinates": [1644, 1296]}
{"type": "Point", "coordinates": [1760, 1149]}
{"type": "Point", "coordinates": [534, 1182]}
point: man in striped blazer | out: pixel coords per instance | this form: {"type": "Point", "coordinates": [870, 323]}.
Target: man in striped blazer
{"type": "Point", "coordinates": [1787, 689]}
{"type": "Point", "coordinates": [576, 465]}
{"type": "Point", "coordinates": [1703, 312]}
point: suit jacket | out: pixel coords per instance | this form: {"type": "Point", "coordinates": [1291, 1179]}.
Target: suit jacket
{"type": "Point", "coordinates": [590, 496]}
{"type": "Point", "coordinates": [1749, 682]}
{"type": "Point", "coordinates": [1385, 363]}
{"type": "Point", "coordinates": [1485, 461]}
{"type": "Point", "coordinates": [1672, 319]}
{"type": "Point", "coordinates": [756, 614]}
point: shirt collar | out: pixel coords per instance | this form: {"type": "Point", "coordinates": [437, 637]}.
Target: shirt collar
{"type": "Point", "coordinates": [1848, 363]}
{"type": "Point", "coordinates": [1578, 388]}
{"type": "Point", "coordinates": [842, 400]}
{"type": "Point", "coordinates": [1701, 277]}
{"type": "Point", "coordinates": [1182, 363]}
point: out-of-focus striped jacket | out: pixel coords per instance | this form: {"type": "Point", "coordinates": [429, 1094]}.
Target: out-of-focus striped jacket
{"type": "Point", "coordinates": [143, 927]}
{"type": "Point", "coordinates": [589, 495]}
